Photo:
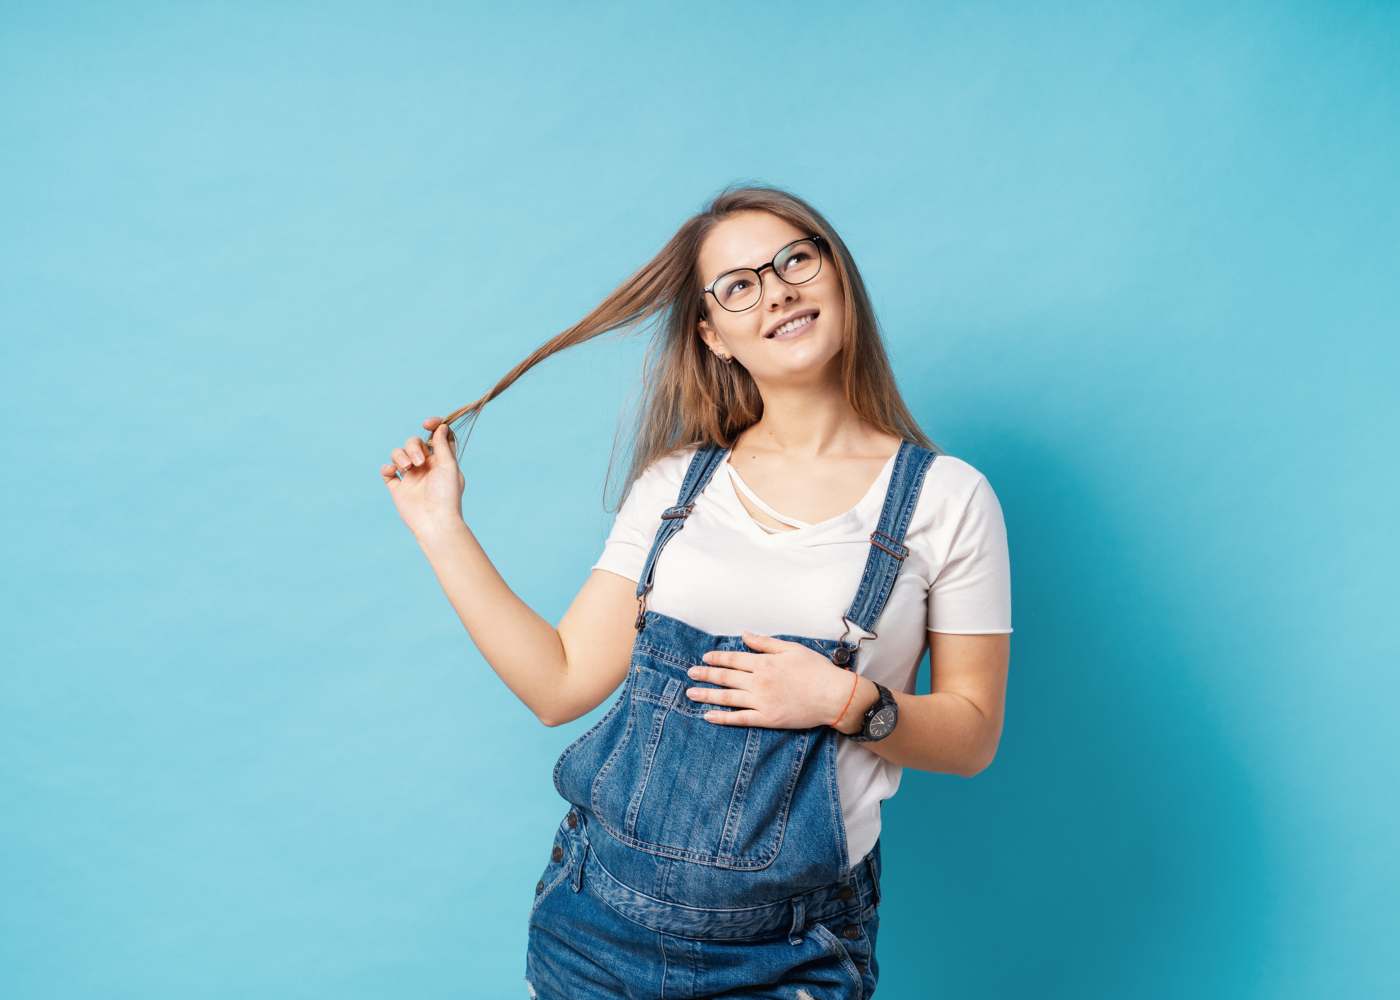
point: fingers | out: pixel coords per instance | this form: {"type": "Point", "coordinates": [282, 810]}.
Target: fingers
{"type": "Point", "coordinates": [415, 451]}
{"type": "Point", "coordinates": [440, 430]}
{"type": "Point", "coordinates": [757, 640]}
{"type": "Point", "coordinates": [711, 696]}
{"type": "Point", "coordinates": [717, 675]}
{"type": "Point", "coordinates": [433, 423]}
{"type": "Point", "coordinates": [734, 717]}
{"type": "Point", "coordinates": [731, 697]}
{"type": "Point", "coordinates": [399, 468]}
{"type": "Point", "coordinates": [402, 460]}
{"type": "Point", "coordinates": [734, 658]}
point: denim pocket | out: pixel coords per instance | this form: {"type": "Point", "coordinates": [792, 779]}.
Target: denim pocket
{"type": "Point", "coordinates": [680, 786]}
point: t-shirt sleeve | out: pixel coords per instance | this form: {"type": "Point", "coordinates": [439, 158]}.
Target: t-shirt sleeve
{"type": "Point", "coordinates": [971, 594]}
{"type": "Point", "coordinates": [634, 528]}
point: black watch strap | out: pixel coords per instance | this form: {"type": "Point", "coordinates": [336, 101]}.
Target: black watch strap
{"type": "Point", "coordinates": [880, 718]}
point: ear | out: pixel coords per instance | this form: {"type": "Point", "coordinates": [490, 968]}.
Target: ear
{"type": "Point", "coordinates": [708, 334]}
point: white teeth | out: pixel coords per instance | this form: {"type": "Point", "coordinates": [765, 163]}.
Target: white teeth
{"type": "Point", "coordinates": [793, 325]}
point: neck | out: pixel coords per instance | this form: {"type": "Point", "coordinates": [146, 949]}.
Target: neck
{"type": "Point", "coordinates": [806, 422]}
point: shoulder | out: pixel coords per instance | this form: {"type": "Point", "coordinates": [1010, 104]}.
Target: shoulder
{"type": "Point", "coordinates": [951, 479]}
{"type": "Point", "coordinates": [659, 481]}
{"type": "Point", "coordinates": [668, 468]}
{"type": "Point", "coordinates": [952, 488]}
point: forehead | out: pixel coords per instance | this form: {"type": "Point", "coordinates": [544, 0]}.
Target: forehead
{"type": "Point", "coordinates": [744, 240]}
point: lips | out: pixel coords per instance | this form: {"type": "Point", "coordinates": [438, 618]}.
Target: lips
{"type": "Point", "coordinates": [788, 319]}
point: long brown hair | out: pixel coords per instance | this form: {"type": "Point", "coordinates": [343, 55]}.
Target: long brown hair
{"type": "Point", "coordinates": [690, 397]}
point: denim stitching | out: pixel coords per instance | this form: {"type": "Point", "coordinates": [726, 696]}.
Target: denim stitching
{"type": "Point", "coordinates": [882, 569]}
{"type": "Point", "coordinates": [565, 867]}
{"type": "Point", "coordinates": [607, 716]}
{"type": "Point", "coordinates": [622, 743]}
{"type": "Point", "coordinates": [841, 954]}
{"type": "Point", "coordinates": [658, 723]}
{"type": "Point", "coordinates": [833, 798]}
{"type": "Point", "coordinates": [701, 857]}
{"type": "Point", "coordinates": [675, 703]}
{"type": "Point", "coordinates": [662, 654]}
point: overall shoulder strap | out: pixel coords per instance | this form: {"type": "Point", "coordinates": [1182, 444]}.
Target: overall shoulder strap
{"type": "Point", "coordinates": [887, 548]}
{"type": "Point", "coordinates": [702, 466]}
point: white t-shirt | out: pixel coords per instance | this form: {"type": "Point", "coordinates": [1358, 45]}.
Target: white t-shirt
{"type": "Point", "coordinates": [724, 573]}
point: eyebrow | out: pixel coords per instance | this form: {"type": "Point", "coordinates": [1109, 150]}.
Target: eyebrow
{"type": "Point", "coordinates": [753, 267]}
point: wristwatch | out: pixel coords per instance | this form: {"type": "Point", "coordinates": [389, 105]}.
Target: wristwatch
{"type": "Point", "coordinates": [880, 718]}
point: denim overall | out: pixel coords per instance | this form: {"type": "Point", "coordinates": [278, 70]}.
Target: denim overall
{"type": "Point", "coordinates": [718, 852]}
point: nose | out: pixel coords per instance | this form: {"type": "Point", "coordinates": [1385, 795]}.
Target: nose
{"type": "Point", "coordinates": [776, 292]}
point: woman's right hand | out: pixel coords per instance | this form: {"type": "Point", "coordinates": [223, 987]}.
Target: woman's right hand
{"type": "Point", "coordinates": [430, 492]}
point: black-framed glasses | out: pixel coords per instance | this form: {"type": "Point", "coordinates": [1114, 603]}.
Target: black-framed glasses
{"type": "Point", "coordinates": [798, 262]}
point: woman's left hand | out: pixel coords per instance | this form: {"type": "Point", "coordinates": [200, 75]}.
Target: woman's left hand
{"type": "Point", "coordinates": [784, 685]}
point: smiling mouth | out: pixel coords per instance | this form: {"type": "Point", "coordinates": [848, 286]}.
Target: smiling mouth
{"type": "Point", "coordinates": [794, 327]}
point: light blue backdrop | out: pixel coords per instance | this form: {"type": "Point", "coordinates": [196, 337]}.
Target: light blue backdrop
{"type": "Point", "coordinates": [1137, 263]}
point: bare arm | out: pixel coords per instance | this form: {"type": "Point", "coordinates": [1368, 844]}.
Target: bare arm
{"type": "Point", "coordinates": [560, 674]}
{"type": "Point", "coordinates": [956, 728]}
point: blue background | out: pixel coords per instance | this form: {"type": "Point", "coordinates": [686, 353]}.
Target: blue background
{"type": "Point", "coordinates": [1137, 263]}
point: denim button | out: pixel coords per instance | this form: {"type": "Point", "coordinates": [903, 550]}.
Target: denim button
{"type": "Point", "coordinates": [572, 819]}
{"type": "Point", "coordinates": [851, 931]}
{"type": "Point", "coordinates": [557, 853]}
{"type": "Point", "coordinates": [846, 892]}
{"type": "Point", "coordinates": [539, 887]}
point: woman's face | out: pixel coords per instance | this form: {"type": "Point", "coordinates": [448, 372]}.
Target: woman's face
{"type": "Point", "coordinates": [750, 239]}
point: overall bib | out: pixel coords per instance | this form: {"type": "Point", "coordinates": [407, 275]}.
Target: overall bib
{"type": "Point", "coordinates": [705, 860]}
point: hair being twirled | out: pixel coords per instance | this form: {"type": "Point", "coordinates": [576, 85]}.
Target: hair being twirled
{"type": "Point", "coordinates": [689, 396]}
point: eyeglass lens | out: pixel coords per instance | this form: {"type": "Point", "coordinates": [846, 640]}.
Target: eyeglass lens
{"type": "Point", "coordinates": [739, 290]}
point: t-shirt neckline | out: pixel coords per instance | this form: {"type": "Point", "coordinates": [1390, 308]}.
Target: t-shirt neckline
{"type": "Point", "coordinates": [807, 531]}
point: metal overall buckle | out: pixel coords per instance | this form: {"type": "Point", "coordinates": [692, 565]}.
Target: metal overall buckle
{"type": "Point", "coordinates": [670, 513]}
{"type": "Point", "coordinates": [845, 651]}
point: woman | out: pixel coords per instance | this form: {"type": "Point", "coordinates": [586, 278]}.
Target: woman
{"type": "Point", "coordinates": [789, 542]}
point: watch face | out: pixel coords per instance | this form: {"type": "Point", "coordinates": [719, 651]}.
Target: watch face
{"type": "Point", "coordinates": [882, 722]}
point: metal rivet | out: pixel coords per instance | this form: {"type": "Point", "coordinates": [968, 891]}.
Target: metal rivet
{"type": "Point", "coordinates": [557, 853]}
{"type": "Point", "coordinates": [572, 819]}
{"type": "Point", "coordinates": [539, 887]}
{"type": "Point", "coordinates": [846, 892]}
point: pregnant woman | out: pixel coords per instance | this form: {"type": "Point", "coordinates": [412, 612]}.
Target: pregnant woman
{"type": "Point", "coordinates": [789, 544]}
